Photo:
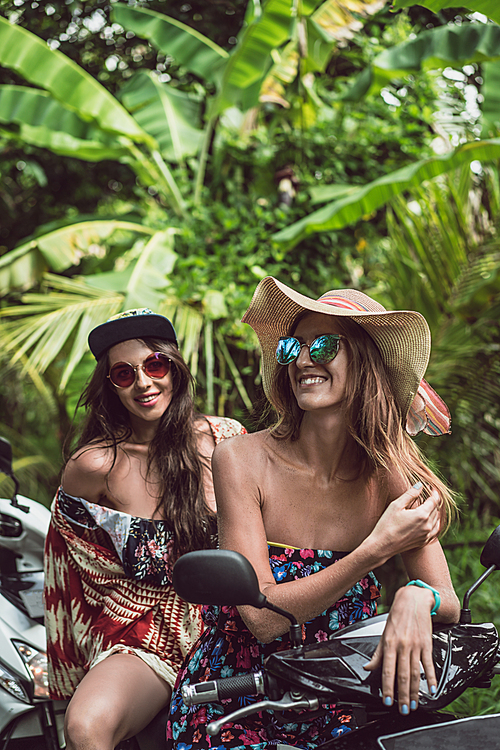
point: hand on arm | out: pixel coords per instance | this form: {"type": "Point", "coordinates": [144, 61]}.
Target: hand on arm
{"type": "Point", "coordinates": [237, 484]}
{"type": "Point", "coordinates": [403, 526]}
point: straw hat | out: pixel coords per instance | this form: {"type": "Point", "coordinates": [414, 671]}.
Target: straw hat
{"type": "Point", "coordinates": [402, 337]}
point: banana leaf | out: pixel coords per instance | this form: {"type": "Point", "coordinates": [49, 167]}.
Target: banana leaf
{"type": "Point", "coordinates": [167, 114]}
{"type": "Point", "coordinates": [337, 20]}
{"type": "Point", "coordinates": [45, 123]}
{"type": "Point", "coordinates": [151, 271]}
{"type": "Point", "coordinates": [21, 269]}
{"type": "Point", "coordinates": [489, 8]}
{"type": "Point", "coordinates": [57, 250]}
{"type": "Point", "coordinates": [36, 62]}
{"type": "Point", "coordinates": [433, 49]}
{"type": "Point", "coordinates": [490, 91]}
{"type": "Point", "coordinates": [251, 60]}
{"type": "Point", "coordinates": [368, 198]}
{"type": "Point", "coordinates": [143, 275]}
{"type": "Point", "coordinates": [182, 43]}
{"type": "Point", "coordinates": [331, 22]}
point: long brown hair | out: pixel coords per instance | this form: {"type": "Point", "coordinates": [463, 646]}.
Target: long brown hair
{"type": "Point", "coordinates": [373, 418]}
{"type": "Point", "coordinates": [173, 453]}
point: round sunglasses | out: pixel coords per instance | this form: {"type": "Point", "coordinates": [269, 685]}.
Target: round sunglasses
{"type": "Point", "coordinates": [156, 366]}
{"type": "Point", "coordinates": [322, 350]}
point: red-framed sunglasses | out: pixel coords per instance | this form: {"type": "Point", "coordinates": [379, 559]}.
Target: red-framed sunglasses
{"type": "Point", "coordinates": [156, 366]}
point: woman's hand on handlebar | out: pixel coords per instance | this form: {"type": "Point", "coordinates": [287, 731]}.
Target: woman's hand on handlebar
{"type": "Point", "coordinates": [405, 644]}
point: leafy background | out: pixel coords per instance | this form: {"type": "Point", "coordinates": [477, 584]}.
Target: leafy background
{"type": "Point", "coordinates": [171, 155]}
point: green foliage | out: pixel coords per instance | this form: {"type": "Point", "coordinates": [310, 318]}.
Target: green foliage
{"type": "Point", "coordinates": [437, 48]}
{"type": "Point", "coordinates": [490, 92]}
{"type": "Point", "coordinates": [66, 82]}
{"type": "Point", "coordinates": [195, 207]}
{"type": "Point", "coordinates": [488, 7]}
{"type": "Point", "coordinates": [171, 37]}
{"type": "Point", "coordinates": [367, 199]}
{"type": "Point", "coordinates": [463, 548]}
{"type": "Point", "coordinates": [153, 105]}
{"type": "Point", "coordinates": [445, 254]}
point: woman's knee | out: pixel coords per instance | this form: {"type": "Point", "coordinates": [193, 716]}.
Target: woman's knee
{"type": "Point", "coordinates": [107, 706]}
{"type": "Point", "coordinates": [92, 725]}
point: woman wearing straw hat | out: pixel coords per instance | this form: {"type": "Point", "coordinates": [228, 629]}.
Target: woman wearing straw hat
{"type": "Point", "coordinates": [332, 491]}
{"type": "Point", "coordinates": [136, 493]}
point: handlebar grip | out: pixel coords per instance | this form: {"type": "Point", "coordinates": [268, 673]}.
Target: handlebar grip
{"type": "Point", "coordinates": [251, 683]}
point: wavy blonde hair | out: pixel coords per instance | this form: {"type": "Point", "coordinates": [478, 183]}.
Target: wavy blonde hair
{"type": "Point", "coordinates": [373, 418]}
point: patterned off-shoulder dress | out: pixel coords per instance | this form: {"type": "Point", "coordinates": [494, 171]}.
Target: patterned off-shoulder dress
{"type": "Point", "coordinates": [227, 648]}
{"type": "Point", "coordinates": [108, 589]}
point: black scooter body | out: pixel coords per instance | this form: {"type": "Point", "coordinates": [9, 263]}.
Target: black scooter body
{"type": "Point", "coordinates": [465, 655]}
{"type": "Point", "coordinates": [428, 731]}
{"type": "Point", "coordinates": [333, 670]}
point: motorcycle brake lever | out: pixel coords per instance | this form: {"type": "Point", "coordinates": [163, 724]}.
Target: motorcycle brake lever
{"type": "Point", "coordinates": [287, 703]}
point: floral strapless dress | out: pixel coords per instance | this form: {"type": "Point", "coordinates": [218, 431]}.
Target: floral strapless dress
{"type": "Point", "coordinates": [227, 648]}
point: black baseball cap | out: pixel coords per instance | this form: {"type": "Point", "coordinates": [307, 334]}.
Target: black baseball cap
{"type": "Point", "coordinates": [131, 324]}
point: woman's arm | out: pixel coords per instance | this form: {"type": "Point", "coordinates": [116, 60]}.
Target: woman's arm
{"type": "Point", "coordinates": [239, 466]}
{"type": "Point", "coordinates": [407, 639]}
{"type": "Point", "coordinates": [429, 565]}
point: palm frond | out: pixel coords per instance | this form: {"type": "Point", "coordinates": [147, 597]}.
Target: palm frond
{"type": "Point", "coordinates": [46, 325]}
{"type": "Point", "coordinates": [445, 262]}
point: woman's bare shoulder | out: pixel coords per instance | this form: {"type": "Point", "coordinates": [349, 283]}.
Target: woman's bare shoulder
{"type": "Point", "coordinates": [94, 457]}
{"type": "Point", "coordinates": [246, 449]}
{"type": "Point", "coordinates": [246, 441]}
{"type": "Point", "coordinates": [86, 471]}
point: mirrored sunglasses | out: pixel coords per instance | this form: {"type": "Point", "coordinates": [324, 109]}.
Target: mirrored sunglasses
{"type": "Point", "coordinates": [156, 366]}
{"type": "Point", "coordinates": [322, 350]}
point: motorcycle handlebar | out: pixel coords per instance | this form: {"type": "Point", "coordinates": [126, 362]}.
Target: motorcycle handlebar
{"type": "Point", "coordinates": [251, 683]}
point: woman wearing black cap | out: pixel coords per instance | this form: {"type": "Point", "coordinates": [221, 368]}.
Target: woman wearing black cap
{"type": "Point", "coordinates": [334, 489]}
{"type": "Point", "coordinates": [135, 494]}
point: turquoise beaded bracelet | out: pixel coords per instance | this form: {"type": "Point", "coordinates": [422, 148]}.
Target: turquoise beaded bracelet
{"type": "Point", "coordinates": [423, 585]}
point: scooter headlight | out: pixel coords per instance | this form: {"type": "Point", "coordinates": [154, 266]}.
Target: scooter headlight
{"type": "Point", "coordinates": [12, 684]}
{"type": "Point", "coordinates": [36, 663]}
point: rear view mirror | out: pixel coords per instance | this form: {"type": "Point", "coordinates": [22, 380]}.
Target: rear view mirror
{"type": "Point", "coordinates": [217, 576]}
{"type": "Point", "coordinates": [490, 558]}
{"type": "Point", "coordinates": [223, 577]}
{"type": "Point", "coordinates": [491, 550]}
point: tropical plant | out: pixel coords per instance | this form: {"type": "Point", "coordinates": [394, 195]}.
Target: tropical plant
{"type": "Point", "coordinates": [445, 251]}
{"type": "Point", "coordinates": [488, 8]}
{"type": "Point", "coordinates": [442, 252]}
{"type": "Point", "coordinates": [187, 140]}
{"type": "Point", "coordinates": [148, 126]}
{"type": "Point", "coordinates": [439, 48]}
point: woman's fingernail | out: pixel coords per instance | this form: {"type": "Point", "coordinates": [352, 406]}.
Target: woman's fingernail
{"type": "Point", "coordinates": [387, 700]}
{"type": "Point", "coordinates": [433, 689]}
{"type": "Point", "coordinates": [405, 710]}
{"type": "Point", "coordinates": [413, 705]}
{"type": "Point", "coordinates": [417, 485]}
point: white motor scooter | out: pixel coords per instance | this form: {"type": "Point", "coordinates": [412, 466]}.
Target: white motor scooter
{"type": "Point", "coordinates": [28, 719]}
